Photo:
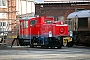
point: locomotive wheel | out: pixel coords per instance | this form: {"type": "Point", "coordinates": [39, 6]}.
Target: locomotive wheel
{"type": "Point", "coordinates": [59, 47]}
{"type": "Point", "coordinates": [31, 46]}
{"type": "Point", "coordinates": [44, 46]}
{"type": "Point", "coordinates": [70, 44]}
{"type": "Point", "coordinates": [61, 43]}
{"type": "Point", "coordinates": [21, 43]}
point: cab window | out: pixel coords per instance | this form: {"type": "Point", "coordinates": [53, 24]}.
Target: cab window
{"type": "Point", "coordinates": [25, 24]}
{"type": "Point", "coordinates": [48, 21]}
{"type": "Point", "coordinates": [21, 25]}
{"type": "Point", "coordinates": [33, 22]}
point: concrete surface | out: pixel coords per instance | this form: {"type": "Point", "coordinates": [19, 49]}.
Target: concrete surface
{"type": "Point", "coordinates": [26, 53]}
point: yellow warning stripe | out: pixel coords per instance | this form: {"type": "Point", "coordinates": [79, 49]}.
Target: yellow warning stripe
{"type": "Point", "coordinates": [14, 36]}
{"type": "Point", "coordinates": [69, 39]}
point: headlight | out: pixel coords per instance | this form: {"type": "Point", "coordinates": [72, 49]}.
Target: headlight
{"type": "Point", "coordinates": [71, 33]}
{"type": "Point", "coordinates": [50, 33]}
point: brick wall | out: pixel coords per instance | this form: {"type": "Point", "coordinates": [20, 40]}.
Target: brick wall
{"type": "Point", "coordinates": [10, 11]}
{"type": "Point", "coordinates": [58, 9]}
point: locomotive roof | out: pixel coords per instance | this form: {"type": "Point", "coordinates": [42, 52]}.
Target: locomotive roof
{"type": "Point", "coordinates": [83, 13]}
{"type": "Point", "coordinates": [26, 18]}
{"type": "Point", "coordinates": [31, 17]}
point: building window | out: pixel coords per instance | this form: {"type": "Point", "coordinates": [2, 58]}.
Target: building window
{"type": "Point", "coordinates": [2, 15]}
{"type": "Point", "coordinates": [3, 3]}
{"type": "Point", "coordinates": [3, 25]}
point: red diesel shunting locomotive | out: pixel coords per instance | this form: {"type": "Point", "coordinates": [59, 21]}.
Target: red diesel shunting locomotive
{"type": "Point", "coordinates": [42, 31]}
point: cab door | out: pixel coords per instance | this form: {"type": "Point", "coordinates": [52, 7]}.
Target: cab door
{"type": "Point", "coordinates": [21, 29]}
{"type": "Point", "coordinates": [25, 27]}
{"type": "Point", "coordinates": [33, 27]}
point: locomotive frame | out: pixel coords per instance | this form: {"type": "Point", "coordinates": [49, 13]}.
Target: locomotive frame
{"type": "Point", "coordinates": [80, 25]}
{"type": "Point", "coordinates": [44, 32]}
